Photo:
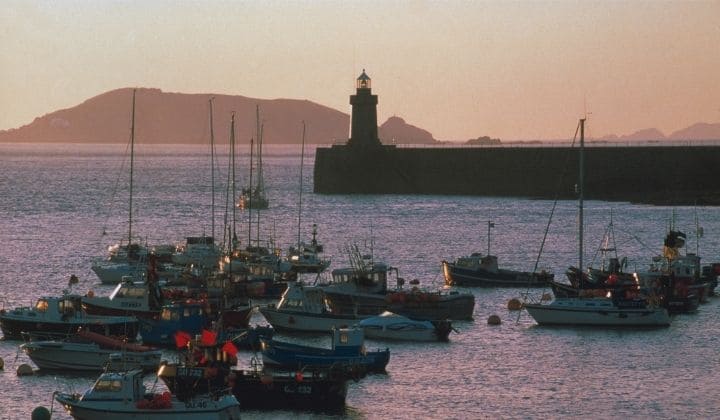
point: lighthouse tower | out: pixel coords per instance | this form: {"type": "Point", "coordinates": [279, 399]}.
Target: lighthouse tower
{"type": "Point", "coordinates": [364, 129]}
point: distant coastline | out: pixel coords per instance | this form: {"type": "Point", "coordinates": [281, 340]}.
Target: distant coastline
{"type": "Point", "coordinates": [179, 118]}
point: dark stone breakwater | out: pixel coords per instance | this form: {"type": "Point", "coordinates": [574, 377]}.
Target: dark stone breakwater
{"type": "Point", "coordinates": [667, 175]}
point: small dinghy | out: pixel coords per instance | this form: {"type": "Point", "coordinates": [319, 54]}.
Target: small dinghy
{"type": "Point", "coordinates": [391, 326]}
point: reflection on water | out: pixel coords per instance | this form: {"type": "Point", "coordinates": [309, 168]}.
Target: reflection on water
{"type": "Point", "coordinates": [57, 199]}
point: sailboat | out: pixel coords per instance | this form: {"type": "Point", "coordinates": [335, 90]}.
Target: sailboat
{"type": "Point", "coordinates": [611, 310]}
{"type": "Point", "coordinates": [253, 197]}
{"type": "Point", "coordinates": [305, 258]}
{"type": "Point", "coordinates": [129, 259]}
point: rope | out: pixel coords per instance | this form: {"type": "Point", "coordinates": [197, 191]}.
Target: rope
{"type": "Point", "coordinates": [552, 212]}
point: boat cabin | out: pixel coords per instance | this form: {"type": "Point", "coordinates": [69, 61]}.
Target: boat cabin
{"type": "Point", "coordinates": [65, 306]}
{"type": "Point", "coordinates": [117, 386]}
{"type": "Point", "coordinates": [301, 298]}
{"type": "Point", "coordinates": [371, 278]}
{"type": "Point", "coordinates": [348, 340]}
{"type": "Point", "coordinates": [476, 261]}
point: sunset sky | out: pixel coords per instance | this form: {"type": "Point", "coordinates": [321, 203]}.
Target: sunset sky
{"type": "Point", "coordinates": [459, 69]}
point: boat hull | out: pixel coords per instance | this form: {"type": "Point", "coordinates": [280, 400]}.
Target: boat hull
{"type": "Point", "coordinates": [422, 305]}
{"type": "Point", "coordinates": [478, 277]}
{"type": "Point", "coordinates": [294, 321]}
{"type": "Point", "coordinates": [590, 312]}
{"type": "Point", "coordinates": [198, 408]}
{"type": "Point", "coordinates": [87, 357]}
{"type": "Point", "coordinates": [288, 390]}
{"type": "Point", "coordinates": [13, 327]}
{"type": "Point", "coordinates": [292, 355]}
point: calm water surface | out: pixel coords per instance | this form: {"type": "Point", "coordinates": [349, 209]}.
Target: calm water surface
{"type": "Point", "coordinates": [58, 199]}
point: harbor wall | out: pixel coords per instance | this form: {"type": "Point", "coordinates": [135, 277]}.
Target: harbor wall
{"type": "Point", "coordinates": [673, 175]}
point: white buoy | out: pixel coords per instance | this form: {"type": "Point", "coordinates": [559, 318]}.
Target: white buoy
{"type": "Point", "coordinates": [24, 370]}
{"type": "Point", "coordinates": [494, 320]}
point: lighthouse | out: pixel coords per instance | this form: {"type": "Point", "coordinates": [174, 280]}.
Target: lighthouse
{"type": "Point", "coordinates": [363, 127]}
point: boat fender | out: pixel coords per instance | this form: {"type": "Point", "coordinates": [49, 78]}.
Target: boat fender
{"type": "Point", "coordinates": [299, 376]}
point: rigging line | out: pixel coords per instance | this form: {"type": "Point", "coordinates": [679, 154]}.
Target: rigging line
{"type": "Point", "coordinates": [552, 212]}
{"type": "Point", "coordinates": [115, 187]}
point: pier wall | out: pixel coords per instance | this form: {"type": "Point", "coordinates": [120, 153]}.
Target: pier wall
{"type": "Point", "coordinates": [672, 175]}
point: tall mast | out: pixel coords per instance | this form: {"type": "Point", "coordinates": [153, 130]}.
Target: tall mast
{"type": "Point", "coordinates": [581, 182]}
{"type": "Point", "coordinates": [212, 167]}
{"type": "Point", "coordinates": [302, 157]}
{"type": "Point", "coordinates": [234, 193]}
{"type": "Point", "coordinates": [250, 194]}
{"type": "Point", "coordinates": [259, 188]}
{"type": "Point", "coordinates": [132, 159]}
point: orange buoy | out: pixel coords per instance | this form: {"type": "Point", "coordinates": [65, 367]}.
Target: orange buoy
{"type": "Point", "coordinates": [514, 304]}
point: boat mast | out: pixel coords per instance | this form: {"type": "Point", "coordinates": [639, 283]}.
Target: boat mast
{"type": "Point", "coordinates": [302, 157]}
{"type": "Point", "coordinates": [581, 181]}
{"type": "Point", "coordinates": [234, 192]}
{"type": "Point", "coordinates": [132, 159]}
{"type": "Point", "coordinates": [258, 194]}
{"type": "Point", "coordinates": [490, 225]}
{"type": "Point", "coordinates": [249, 196]}
{"type": "Point", "coordinates": [212, 167]}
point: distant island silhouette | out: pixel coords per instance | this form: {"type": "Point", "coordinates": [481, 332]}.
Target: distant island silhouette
{"type": "Point", "coordinates": [181, 118]}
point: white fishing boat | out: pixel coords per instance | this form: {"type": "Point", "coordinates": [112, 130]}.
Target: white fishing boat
{"type": "Point", "coordinates": [303, 308]}
{"type": "Point", "coordinates": [122, 395]}
{"type": "Point", "coordinates": [613, 310]}
{"type": "Point", "coordinates": [391, 326]}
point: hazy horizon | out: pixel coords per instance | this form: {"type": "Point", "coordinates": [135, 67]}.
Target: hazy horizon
{"type": "Point", "coordinates": [509, 70]}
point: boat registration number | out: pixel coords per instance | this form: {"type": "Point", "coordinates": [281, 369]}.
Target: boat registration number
{"type": "Point", "coordinates": [297, 389]}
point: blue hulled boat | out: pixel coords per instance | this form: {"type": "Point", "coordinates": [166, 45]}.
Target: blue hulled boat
{"type": "Point", "coordinates": [347, 349]}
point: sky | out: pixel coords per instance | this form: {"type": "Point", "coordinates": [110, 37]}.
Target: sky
{"type": "Point", "coordinates": [459, 69]}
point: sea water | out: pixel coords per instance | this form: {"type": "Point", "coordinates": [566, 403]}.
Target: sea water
{"type": "Point", "coordinates": [63, 204]}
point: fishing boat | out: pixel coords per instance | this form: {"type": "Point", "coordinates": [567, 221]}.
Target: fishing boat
{"type": "Point", "coordinates": [303, 257]}
{"type": "Point", "coordinates": [122, 395]}
{"type": "Point", "coordinates": [615, 310]}
{"type": "Point", "coordinates": [53, 316]}
{"type": "Point", "coordinates": [363, 289]}
{"type": "Point", "coordinates": [88, 351]}
{"type": "Point", "coordinates": [191, 316]}
{"type": "Point", "coordinates": [130, 298]}
{"type": "Point", "coordinates": [390, 326]}
{"type": "Point", "coordinates": [306, 258]}
{"type": "Point", "coordinates": [209, 365]}
{"type": "Point", "coordinates": [347, 349]}
{"type": "Point", "coordinates": [478, 270]}
{"type": "Point", "coordinates": [303, 308]}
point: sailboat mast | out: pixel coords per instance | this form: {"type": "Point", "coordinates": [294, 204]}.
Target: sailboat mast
{"type": "Point", "coordinates": [212, 168]}
{"type": "Point", "coordinates": [132, 161]}
{"type": "Point", "coordinates": [234, 192]}
{"type": "Point", "coordinates": [250, 194]}
{"type": "Point", "coordinates": [302, 158]}
{"type": "Point", "coordinates": [581, 182]}
{"type": "Point", "coordinates": [259, 195]}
